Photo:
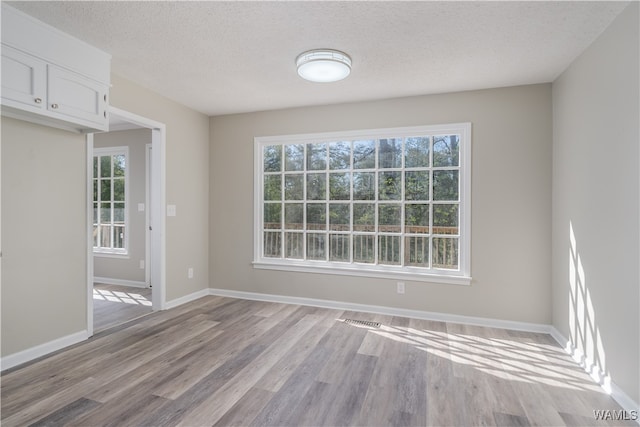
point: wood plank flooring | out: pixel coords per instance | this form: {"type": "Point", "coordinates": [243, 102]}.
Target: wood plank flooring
{"type": "Point", "coordinates": [114, 304]}
{"type": "Point", "coordinates": [230, 362]}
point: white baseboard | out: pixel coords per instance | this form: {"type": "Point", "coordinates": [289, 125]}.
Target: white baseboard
{"type": "Point", "coordinates": [616, 393]}
{"type": "Point", "coordinates": [120, 282]}
{"type": "Point", "coordinates": [626, 402]}
{"type": "Point", "coordinates": [623, 399]}
{"type": "Point", "coordinates": [32, 353]}
{"type": "Point", "coordinates": [187, 298]}
{"type": "Point", "coordinates": [391, 311]}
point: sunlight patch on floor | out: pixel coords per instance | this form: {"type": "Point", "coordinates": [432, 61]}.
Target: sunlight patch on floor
{"type": "Point", "coordinates": [511, 360]}
{"type": "Point", "coordinates": [120, 297]}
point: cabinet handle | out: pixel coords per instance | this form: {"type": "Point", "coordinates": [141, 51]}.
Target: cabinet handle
{"type": "Point", "coordinates": [54, 106]}
{"type": "Point", "coordinates": [38, 100]}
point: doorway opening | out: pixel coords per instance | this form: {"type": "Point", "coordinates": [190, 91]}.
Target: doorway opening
{"type": "Point", "coordinates": [121, 300]}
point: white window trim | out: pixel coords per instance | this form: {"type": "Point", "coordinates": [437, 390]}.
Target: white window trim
{"type": "Point", "coordinates": [458, 277]}
{"type": "Point", "coordinates": [116, 253]}
{"type": "Point", "coordinates": [106, 253]}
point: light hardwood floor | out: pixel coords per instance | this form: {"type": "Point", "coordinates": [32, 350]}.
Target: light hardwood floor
{"type": "Point", "coordinates": [114, 304]}
{"type": "Point", "coordinates": [222, 361]}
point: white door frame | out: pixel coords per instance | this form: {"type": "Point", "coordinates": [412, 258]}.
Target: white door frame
{"type": "Point", "coordinates": [147, 214]}
{"type": "Point", "coordinates": [157, 254]}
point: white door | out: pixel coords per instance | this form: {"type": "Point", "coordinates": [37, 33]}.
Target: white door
{"type": "Point", "coordinates": [149, 215]}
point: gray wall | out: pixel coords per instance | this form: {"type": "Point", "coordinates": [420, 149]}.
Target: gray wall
{"type": "Point", "coordinates": [128, 268]}
{"type": "Point", "coordinates": [210, 179]}
{"type": "Point", "coordinates": [596, 192]}
{"type": "Point", "coordinates": [44, 234]}
{"type": "Point", "coordinates": [511, 206]}
{"type": "Point", "coordinates": [187, 183]}
{"type": "Point", "coordinates": [44, 274]}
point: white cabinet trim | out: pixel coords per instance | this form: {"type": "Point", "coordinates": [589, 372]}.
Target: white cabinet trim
{"type": "Point", "coordinates": [52, 78]}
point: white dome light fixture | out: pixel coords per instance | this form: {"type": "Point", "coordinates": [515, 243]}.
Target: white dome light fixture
{"type": "Point", "coordinates": [323, 65]}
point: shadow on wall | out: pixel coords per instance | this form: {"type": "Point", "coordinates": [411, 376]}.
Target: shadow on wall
{"type": "Point", "coordinates": [585, 341]}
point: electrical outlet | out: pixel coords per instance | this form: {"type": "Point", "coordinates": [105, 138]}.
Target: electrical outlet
{"type": "Point", "coordinates": [142, 264]}
{"type": "Point", "coordinates": [400, 287]}
{"type": "Point", "coordinates": [190, 273]}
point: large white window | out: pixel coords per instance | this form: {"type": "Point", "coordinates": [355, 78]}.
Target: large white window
{"type": "Point", "coordinates": [110, 218]}
{"type": "Point", "coordinates": [389, 203]}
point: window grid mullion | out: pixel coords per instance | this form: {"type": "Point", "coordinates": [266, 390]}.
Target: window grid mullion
{"type": "Point", "coordinates": [304, 203]}
{"type": "Point", "coordinates": [376, 199]}
{"type": "Point", "coordinates": [99, 185]}
{"type": "Point", "coordinates": [283, 245]}
{"type": "Point", "coordinates": [98, 203]}
{"type": "Point", "coordinates": [378, 259]}
{"type": "Point", "coordinates": [351, 205]}
{"type": "Point", "coordinates": [327, 243]}
{"type": "Point", "coordinates": [112, 224]}
{"type": "Point", "coordinates": [430, 240]}
{"type": "Point", "coordinates": [402, 203]}
{"type": "Point", "coordinates": [262, 206]}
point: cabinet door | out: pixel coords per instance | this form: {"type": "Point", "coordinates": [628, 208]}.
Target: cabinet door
{"type": "Point", "coordinates": [77, 97]}
{"type": "Point", "coordinates": [23, 80]}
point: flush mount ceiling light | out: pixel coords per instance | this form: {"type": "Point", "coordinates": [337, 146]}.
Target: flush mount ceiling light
{"type": "Point", "coordinates": [323, 65]}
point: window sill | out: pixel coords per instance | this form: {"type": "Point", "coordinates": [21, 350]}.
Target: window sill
{"type": "Point", "coordinates": [351, 270]}
{"type": "Point", "coordinates": [111, 255]}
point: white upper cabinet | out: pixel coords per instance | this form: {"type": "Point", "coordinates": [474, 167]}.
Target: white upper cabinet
{"type": "Point", "coordinates": [23, 79]}
{"type": "Point", "coordinates": [76, 96]}
{"type": "Point", "coordinates": [51, 78]}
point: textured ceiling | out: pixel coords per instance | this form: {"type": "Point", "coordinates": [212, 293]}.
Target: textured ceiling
{"type": "Point", "coordinates": [229, 57]}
